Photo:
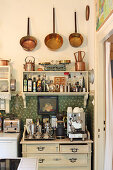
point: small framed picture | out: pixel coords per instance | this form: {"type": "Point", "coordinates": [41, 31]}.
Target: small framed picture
{"type": "Point", "coordinates": [47, 105]}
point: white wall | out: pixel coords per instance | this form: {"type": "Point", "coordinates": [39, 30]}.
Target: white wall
{"type": "Point", "coordinates": [13, 26]}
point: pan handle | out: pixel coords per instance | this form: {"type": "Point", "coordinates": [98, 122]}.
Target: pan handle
{"type": "Point", "coordinates": [75, 24]}
{"type": "Point", "coordinates": [53, 20]}
{"type": "Point", "coordinates": [28, 26]}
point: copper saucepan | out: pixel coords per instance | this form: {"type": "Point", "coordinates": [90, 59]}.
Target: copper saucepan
{"type": "Point", "coordinates": [53, 41]}
{"type": "Point", "coordinates": [28, 42]}
{"type": "Point", "coordinates": [75, 39]}
{"type": "Point", "coordinates": [4, 62]}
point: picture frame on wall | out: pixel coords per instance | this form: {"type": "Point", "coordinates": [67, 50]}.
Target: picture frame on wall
{"type": "Point", "coordinates": [104, 9]}
{"type": "Point", "coordinates": [47, 105]}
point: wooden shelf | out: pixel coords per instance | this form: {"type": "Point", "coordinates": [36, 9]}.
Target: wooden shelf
{"type": "Point", "coordinates": [54, 71]}
{"type": "Point", "coordinates": [55, 93]}
{"type": "Point", "coordinates": [4, 79]}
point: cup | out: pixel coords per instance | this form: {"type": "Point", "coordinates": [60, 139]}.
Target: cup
{"type": "Point", "coordinates": [69, 110]}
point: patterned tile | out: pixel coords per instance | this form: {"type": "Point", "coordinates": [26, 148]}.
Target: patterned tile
{"type": "Point", "coordinates": [17, 108]}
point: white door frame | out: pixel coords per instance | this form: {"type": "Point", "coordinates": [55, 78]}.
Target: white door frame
{"type": "Point", "coordinates": [99, 143]}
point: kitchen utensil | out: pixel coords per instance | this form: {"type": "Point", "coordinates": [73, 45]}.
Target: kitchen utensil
{"type": "Point", "coordinates": [79, 64]}
{"type": "Point", "coordinates": [75, 39]}
{"type": "Point", "coordinates": [13, 84]}
{"type": "Point", "coordinates": [87, 12]}
{"type": "Point", "coordinates": [76, 124]}
{"type": "Point", "coordinates": [64, 61]}
{"type": "Point", "coordinates": [4, 62]}
{"type": "Point", "coordinates": [29, 64]}
{"type": "Point", "coordinates": [79, 55]}
{"type": "Point", "coordinates": [53, 41]}
{"type": "Point", "coordinates": [11, 125]}
{"type": "Point", "coordinates": [28, 42]}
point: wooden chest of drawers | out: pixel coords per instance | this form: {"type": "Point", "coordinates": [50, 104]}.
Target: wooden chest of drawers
{"type": "Point", "coordinates": [59, 154]}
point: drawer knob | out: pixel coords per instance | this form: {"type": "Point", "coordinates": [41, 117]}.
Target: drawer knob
{"type": "Point", "coordinates": [57, 159]}
{"type": "Point", "coordinates": [41, 160]}
{"type": "Point", "coordinates": [74, 149]}
{"type": "Point", "coordinates": [40, 148]}
{"type": "Point", "coordinates": [73, 160]}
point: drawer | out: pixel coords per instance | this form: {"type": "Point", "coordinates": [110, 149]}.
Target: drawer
{"type": "Point", "coordinates": [74, 149]}
{"type": "Point", "coordinates": [63, 160]}
{"type": "Point", "coordinates": [42, 148]}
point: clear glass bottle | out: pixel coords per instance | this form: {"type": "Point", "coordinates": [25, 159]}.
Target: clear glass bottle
{"type": "Point", "coordinates": [44, 83]}
{"type": "Point", "coordinates": [51, 86]}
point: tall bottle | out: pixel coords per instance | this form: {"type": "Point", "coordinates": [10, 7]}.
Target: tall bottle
{"type": "Point", "coordinates": [44, 83]}
{"type": "Point", "coordinates": [83, 85]}
{"type": "Point", "coordinates": [25, 83]}
{"type": "Point", "coordinates": [34, 84]}
{"type": "Point", "coordinates": [29, 83]}
{"type": "Point", "coordinates": [38, 85]}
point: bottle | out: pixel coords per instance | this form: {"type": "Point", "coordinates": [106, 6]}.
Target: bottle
{"type": "Point", "coordinates": [44, 83]}
{"type": "Point", "coordinates": [32, 128]}
{"type": "Point", "coordinates": [34, 84]}
{"type": "Point", "coordinates": [12, 84]}
{"type": "Point", "coordinates": [83, 85]}
{"type": "Point", "coordinates": [61, 88]}
{"type": "Point", "coordinates": [25, 83]}
{"type": "Point", "coordinates": [51, 86]}
{"type": "Point", "coordinates": [38, 84]}
{"type": "Point", "coordinates": [29, 83]}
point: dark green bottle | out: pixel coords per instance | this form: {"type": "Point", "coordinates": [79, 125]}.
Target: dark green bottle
{"type": "Point", "coordinates": [25, 83]}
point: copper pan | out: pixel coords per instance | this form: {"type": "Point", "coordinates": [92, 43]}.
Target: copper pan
{"type": "Point", "coordinates": [28, 42]}
{"type": "Point", "coordinates": [4, 62]}
{"type": "Point", "coordinates": [75, 39]}
{"type": "Point", "coordinates": [53, 41]}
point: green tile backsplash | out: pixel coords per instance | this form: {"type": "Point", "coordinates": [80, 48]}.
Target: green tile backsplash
{"type": "Point", "coordinates": [18, 110]}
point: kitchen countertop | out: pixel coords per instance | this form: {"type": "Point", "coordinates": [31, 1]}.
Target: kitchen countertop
{"type": "Point", "coordinates": [6, 136]}
{"type": "Point", "coordinates": [67, 140]}
{"type": "Point", "coordinates": [28, 164]}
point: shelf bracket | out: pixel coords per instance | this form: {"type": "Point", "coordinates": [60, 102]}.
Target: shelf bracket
{"type": "Point", "coordinates": [24, 99]}
{"type": "Point", "coordinates": [85, 100]}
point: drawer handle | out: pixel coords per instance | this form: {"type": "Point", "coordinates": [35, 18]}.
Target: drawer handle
{"type": "Point", "coordinates": [57, 159]}
{"type": "Point", "coordinates": [73, 160]}
{"type": "Point", "coordinates": [74, 149]}
{"type": "Point", "coordinates": [41, 160]}
{"type": "Point", "coordinates": [40, 148]}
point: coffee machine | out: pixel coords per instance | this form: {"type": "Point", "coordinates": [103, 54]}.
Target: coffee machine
{"type": "Point", "coordinates": [76, 124]}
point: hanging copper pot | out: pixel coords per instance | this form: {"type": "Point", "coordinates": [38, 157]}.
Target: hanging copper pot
{"type": "Point", "coordinates": [28, 42]}
{"type": "Point", "coordinates": [53, 41]}
{"type": "Point", "coordinates": [75, 39]}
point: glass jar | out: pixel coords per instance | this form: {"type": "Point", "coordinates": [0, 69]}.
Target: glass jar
{"type": "Point", "coordinates": [51, 86]}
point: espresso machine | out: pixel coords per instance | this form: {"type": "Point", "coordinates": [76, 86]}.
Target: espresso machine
{"type": "Point", "coordinates": [76, 124]}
